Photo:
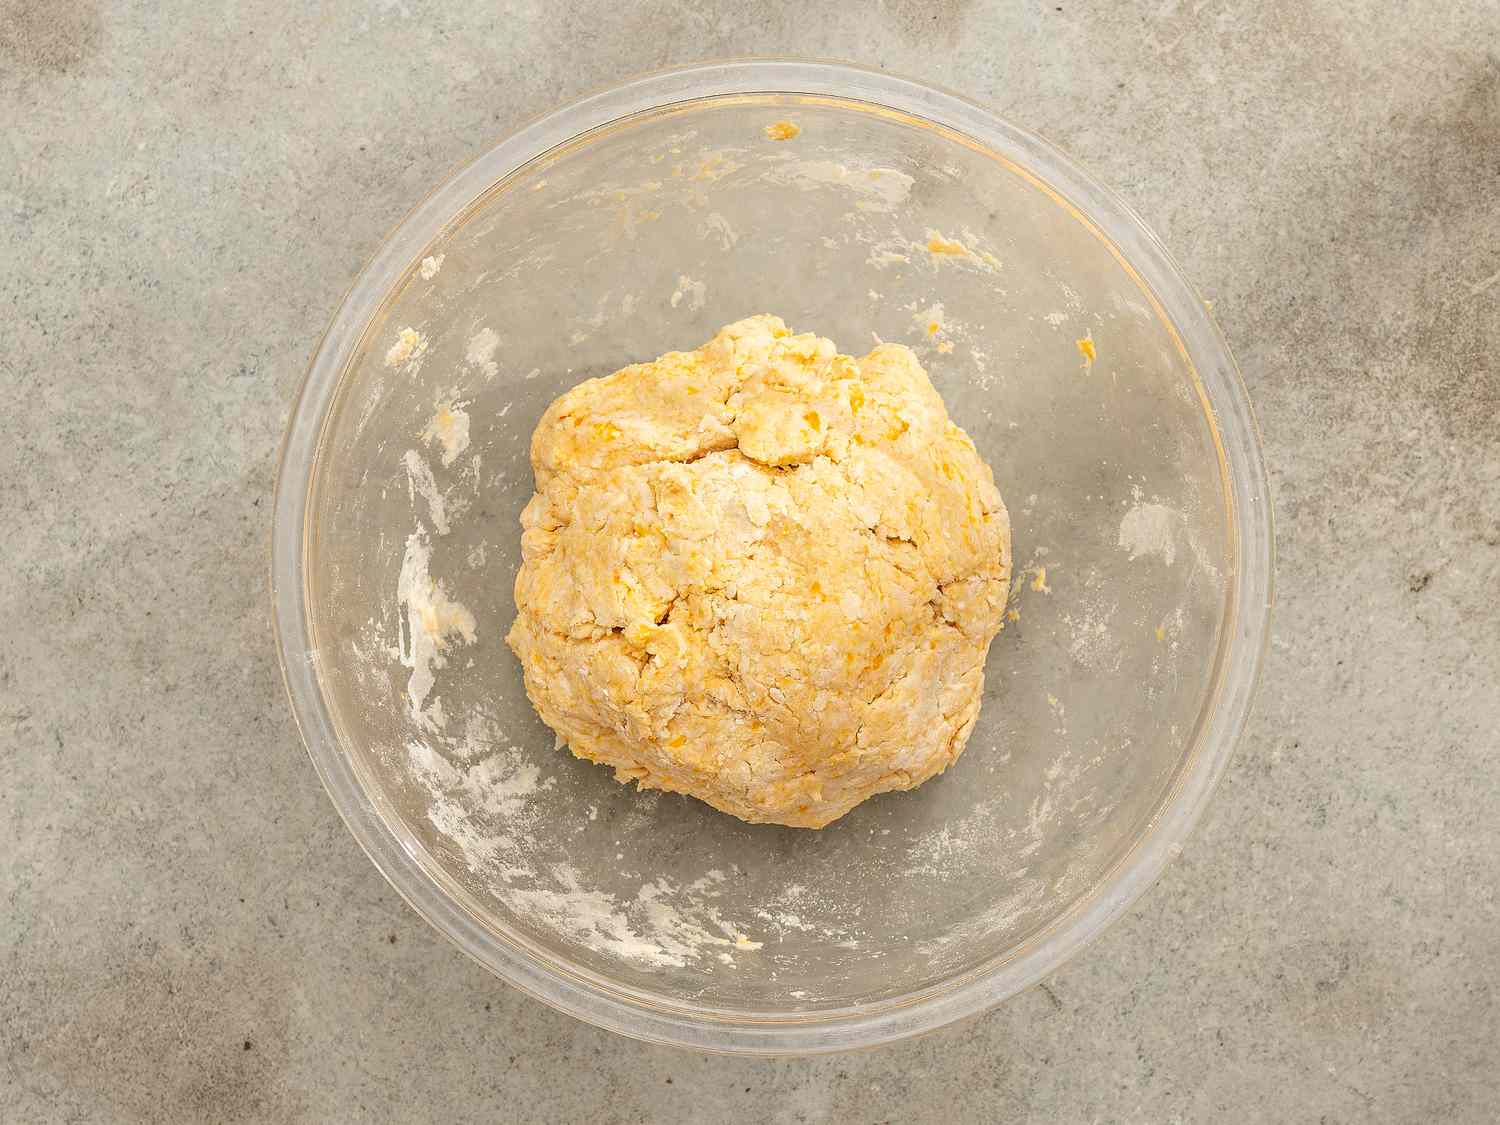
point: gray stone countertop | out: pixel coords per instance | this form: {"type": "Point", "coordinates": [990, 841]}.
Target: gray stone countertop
{"type": "Point", "coordinates": [190, 935]}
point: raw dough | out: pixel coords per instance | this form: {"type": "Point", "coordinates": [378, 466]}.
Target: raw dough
{"type": "Point", "coordinates": [761, 573]}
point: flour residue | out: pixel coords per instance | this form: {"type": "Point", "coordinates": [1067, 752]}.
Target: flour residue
{"type": "Point", "coordinates": [598, 318]}
{"type": "Point", "coordinates": [450, 428]}
{"type": "Point", "coordinates": [791, 909]}
{"type": "Point", "coordinates": [420, 482]}
{"type": "Point", "coordinates": [941, 853]}
{"type": "Point", "coordinates": [874, 189]}
{"type": "Point", "coordinates": [433, 622]}
{"type": "Point", "coordinates": [965, 846]}
{"type": "Point", "coordinates": [713, 167]}
{"type": "Point", "coordinates": [489, 810]}
{"type": "Point", "coordinates": [663, 926]}
{"type": "Point", "coordinates": [1092, 641]}
{"type": "Point", "coordinates": [430, 266]}
{"type": "Point", "coordinates": [717, 227]}
{"type": "Point", "coordinates": [1009, 913]}
{"type": "Point", "coordinates": [1149, 529]}
{"type": "Point", "coordinates": [965, 849]}
{"type": "Point", "coordinates": [695, 291]}
{"type": "Point", "coordinates": [892, 251]}
{"type": "Point", "coordinates": [481, 351]}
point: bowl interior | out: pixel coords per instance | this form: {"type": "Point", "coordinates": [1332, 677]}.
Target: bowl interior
{"type": "Point", "coordinates": [644, 236]}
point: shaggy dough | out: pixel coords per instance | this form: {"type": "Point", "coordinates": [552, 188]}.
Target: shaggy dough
{"type": "Point", "coordinates": [761, 573]}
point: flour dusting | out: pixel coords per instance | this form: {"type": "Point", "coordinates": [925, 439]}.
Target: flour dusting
{"type": "Point", "coordinates": [420, 482]}
{"type": "Point", "coordinates": [1092, 639]}
{"type": "Point", "coordinates": [661, 926]}
{"type": "Point", "coordinates": [481, 351]}
{"type": "Point", "coordinates": [489, 811]}
{"type": "Point", "coordinates": [1149, 529]}
{"type": "Point", "coordinates": [716, 226]}
{"type": "Point", "coordinates": [695, 291]}
{"type": "Point", "coordinates": [433, 623]}
{"type": "Point", "coordinates": [891, 252]}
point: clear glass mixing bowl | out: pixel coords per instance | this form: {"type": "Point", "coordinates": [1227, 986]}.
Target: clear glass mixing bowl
{"type": "Point", "coordinates": [637, 221]}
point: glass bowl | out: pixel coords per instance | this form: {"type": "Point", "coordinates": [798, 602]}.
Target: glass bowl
{"type": "Point", "coordinates": [862, 207]}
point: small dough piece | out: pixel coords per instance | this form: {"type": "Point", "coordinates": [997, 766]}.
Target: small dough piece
{"type": "Point", "coordinates": [761, 573]}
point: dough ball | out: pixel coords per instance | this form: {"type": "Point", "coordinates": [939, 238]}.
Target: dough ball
{"type": "Point", "coordinates": [761, 573]}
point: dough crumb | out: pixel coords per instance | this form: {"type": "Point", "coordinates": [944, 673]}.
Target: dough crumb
{"type": "Point", "coordinates": [938, 246]}
{"type": "Point", "coordinates": [951, 249]}
{"type": "Point", "coordinates": [409, 345]}
{"type": "Point", "coordinates": [450, 428]}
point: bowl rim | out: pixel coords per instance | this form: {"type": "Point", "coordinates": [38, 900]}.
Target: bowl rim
{"type": "Point", "coordinates": [1244, 631]}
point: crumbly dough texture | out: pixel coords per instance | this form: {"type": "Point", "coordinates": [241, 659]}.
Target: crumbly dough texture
{"type": "Point", "coordinates": [761, 573]}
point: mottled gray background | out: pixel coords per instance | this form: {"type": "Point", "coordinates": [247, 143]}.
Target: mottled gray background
{"type": "Point", "coordinates": [188, 932]}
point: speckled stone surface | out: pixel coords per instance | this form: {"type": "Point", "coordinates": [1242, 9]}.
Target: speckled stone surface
{"type": "Point", "coordinates": [188, 932]}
